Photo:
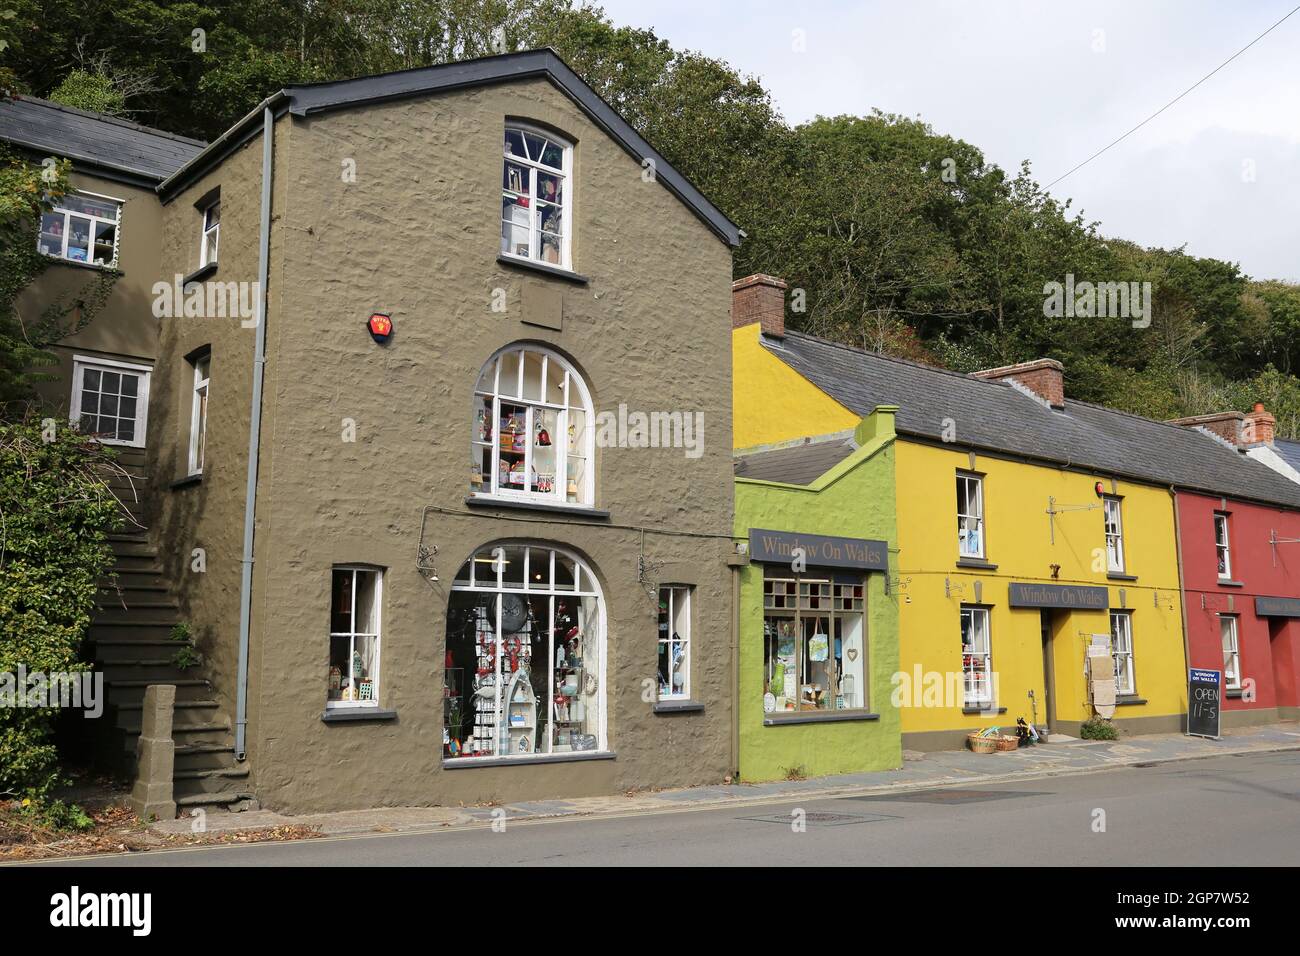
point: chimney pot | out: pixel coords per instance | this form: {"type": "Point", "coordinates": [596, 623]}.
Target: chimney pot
{"type": "Point", "coordinates": [759, 298]}
{"type": "Point", "coordinates": [1044, 377]}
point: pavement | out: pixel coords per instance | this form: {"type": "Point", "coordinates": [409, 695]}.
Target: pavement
{"type": "Point", "coordinates": [919, 772]}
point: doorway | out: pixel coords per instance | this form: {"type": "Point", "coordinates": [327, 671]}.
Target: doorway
{"type": "Point", "coordinates": [1049, 678]}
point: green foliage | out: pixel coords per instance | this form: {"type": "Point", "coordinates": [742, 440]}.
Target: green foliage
{"type": "Point", "coordinates": [56, 512]}
{"type": "Point", "coordinates": [1098, 728]}
{"type": "Point", "coordinates": [180, 632]}
{"type": "Point", "coordinates": [94, 92]}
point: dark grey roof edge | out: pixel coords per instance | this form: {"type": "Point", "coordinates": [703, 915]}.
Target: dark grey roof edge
{"type": "Point", "coordinates": [340, 94]}
{"type": "Point", "coordinates": [88, 165]}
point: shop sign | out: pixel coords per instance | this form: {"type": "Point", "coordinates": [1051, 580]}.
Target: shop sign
{"type": "Point", "coordinates": [778, 547]}
{"type": "Point", "coordinates": [1059, 595]}
{"type": "Point", "coordinates": [1277, 607]}
{"type": "Point", "coordinates": [1203, 702]}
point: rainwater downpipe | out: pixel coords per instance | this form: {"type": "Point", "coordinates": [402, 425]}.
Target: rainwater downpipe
{"type": "Point", "coordinates": [254, 436]}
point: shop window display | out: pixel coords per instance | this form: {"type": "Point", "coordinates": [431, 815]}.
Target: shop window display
{"type": "Point", "coordinates": [814, 643]}
{"type": "Point", "coordinates": [532, 435]}
{"type": "Point", "coordinates": [354, 638]}
{"type": "Point", "coordinates": [524, 653]}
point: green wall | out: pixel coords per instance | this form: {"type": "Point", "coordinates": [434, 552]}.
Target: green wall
{"type": "Point", "coordinates": [854, 499]}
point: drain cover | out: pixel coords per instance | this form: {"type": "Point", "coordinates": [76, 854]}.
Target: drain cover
{"type": "Point", "coordinates": [823, 818]}
{"type": "Point", "coordinates": [950, 796]}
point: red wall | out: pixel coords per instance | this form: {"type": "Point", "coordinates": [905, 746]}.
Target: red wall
{"type": "Point", "coordinates": [1270, 647]}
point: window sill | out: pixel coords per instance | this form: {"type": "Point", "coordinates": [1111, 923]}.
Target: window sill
{"type": "Point", "coordinates": [1233, 694]}
{"type": "Point", "coordinates": [542, 268]}
{"type": "Point", "coordinates": [59, 260]}
{"type": "Point", "coordinates": [980, 563]}
{"type": "Point", "coordinates": [342, 715]}
{"type": "Point", "coordinates": [522, 504]}
{"type": "Point", "coordinates": [189, 481]}
{"type": "Point", "coordinates": [991, 711]}
{"type": "Point", "coordinates": [199, 274]}
{"type": "Point", "coordinates": [678, 707]}
{"type": "Point", "coordinates": [815, 717]}
{"type": "Point", "coordinates": [1227, 583]}
{"type": "Point", "coordinates": [1120, 576]}
{"type": "Point", "coordinates": [1129, 700]}
{"type": "Point", "coordinates": [464, 763]}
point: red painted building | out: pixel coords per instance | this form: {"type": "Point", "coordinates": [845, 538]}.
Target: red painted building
{"type": "Point", "coordinates": [1241, 579]}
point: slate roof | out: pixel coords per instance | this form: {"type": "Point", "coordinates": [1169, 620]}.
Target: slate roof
{"type": "Point", "coordinates": [1288, 451]}
{"type": "Point", "coordinates": [797, 464]}
{"type": "Point", "coordinates": [996, 416]}
{"type": "Point", "coordinates": [93, 140]}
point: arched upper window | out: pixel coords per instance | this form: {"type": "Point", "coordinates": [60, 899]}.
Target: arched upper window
{"type": "Point", "coordinates": [533, 429]}
{"type": "Point", "coordinates": [525, 655]}
{"type": "Point", "coordinates": [536, 196]}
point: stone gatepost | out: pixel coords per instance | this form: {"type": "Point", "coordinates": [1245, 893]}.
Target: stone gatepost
{"type": "Point", "coordinates": [155, 751]}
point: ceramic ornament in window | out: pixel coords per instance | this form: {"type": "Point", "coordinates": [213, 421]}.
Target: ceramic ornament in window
{"type": "Point", "coordinates": [543, 436]}
{"type": "Point", "coordinates": [357, 667]}
{"type": "Point", "coordinates": [476, 478]}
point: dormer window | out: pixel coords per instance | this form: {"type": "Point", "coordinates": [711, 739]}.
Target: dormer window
{"type": "Point", "coordinates": [536, 198]}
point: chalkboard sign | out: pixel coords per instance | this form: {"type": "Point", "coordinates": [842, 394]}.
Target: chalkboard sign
{"type": "Point", "coordinates": [1204, 703]}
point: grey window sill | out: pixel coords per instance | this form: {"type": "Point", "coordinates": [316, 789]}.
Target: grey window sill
{"type": "Point", "coordinates": [1129, 701]}
{"type": "Point", "coordinates": [976, 563]}
{"type": "Point", "coordinates": [343, 715]}
{"type": "Point", "coordinates": [815, 717]}
{"type": "Point", "coordinates": [678, 707]}
{"type": "Point", "coordinates": [542, 268]}
{"type": "Point", "coordinates": [188, 481]}
{"type": "Point", "coordinates": [466, 763]}
{"type": "Point", "coordinates": [60, 261]}
{"type": "Point", "coordinates": [984, 710]}
{"type": "Point", "coordinates": [487, 501]}
{"type": "Point", "coordinates": [1233, 694]}
{"type": "Point", "coordinates": [199, 274]}
{"type": "Point", "coordinates": [1225, 583]}
{"type": "Point", "coordinates": [1119, 576]}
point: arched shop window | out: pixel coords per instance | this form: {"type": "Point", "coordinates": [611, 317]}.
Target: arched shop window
{"type": "Point", "coordinates": [525, 656]}
{"type": "Point", "coordinates": [532, 435]}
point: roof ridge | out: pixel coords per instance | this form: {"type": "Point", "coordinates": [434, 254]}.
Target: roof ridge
{"type": "Point", "coordinates": [114, 120]}
{"type": "Point", "coordinates": [924, 366]}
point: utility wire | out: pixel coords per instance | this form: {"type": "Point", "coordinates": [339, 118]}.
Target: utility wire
{"type": "Point", "coordinates": [1173, 101]}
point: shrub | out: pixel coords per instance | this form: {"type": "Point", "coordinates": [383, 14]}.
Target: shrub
{"type": "Point", "coordinates": [1098, 728]}
{"type": "Point", "coordinates": [55, 510]}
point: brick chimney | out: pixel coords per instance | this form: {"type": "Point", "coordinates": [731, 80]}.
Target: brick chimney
{"type": "Point", "coordinates": [1259, 426]}
{"type": "Point", "coordinates": [1229, 426]}
{"type": "Point", "coordinates": [1044, 377]}
{"type": "Point", "coordinates": [759, 298]}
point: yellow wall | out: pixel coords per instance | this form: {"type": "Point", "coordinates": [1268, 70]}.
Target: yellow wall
{"type": "Point", "coordinates": [1018, 541]}
{"type": "Point", "coordinates": [772, 402]}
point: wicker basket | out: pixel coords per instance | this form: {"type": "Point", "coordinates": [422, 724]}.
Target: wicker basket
{"type": "Point", "coordinates": [982, 745]}
{"type": "Point", "coordinates": [1006, 743]}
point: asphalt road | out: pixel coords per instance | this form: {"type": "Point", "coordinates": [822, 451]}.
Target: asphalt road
{"type": "Point", "coordinates": [1242, 810]}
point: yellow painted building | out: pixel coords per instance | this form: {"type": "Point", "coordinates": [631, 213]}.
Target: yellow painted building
{"type": "Point", "coordinates": [1025, 533]}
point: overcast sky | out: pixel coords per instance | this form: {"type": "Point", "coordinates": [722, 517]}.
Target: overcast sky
{"type": "Point", "coordinates": [1053, 81]}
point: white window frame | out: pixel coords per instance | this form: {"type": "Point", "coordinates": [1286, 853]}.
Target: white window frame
{"type": "Point", "coordinates": [199, 413]}
{"type": "Point", "coordinates": [80, 363]}
{"type": "Point", "coordinates": [353, 634]}
{"type": "Point", "coordinates": [1222, 545]}
{"type": "Point", "coordinates": [210, 229]}
{"type": "Point", "coordinates": [1231, 655]}
{"type": "Point", "coordinates": [90, 248]}
{"type": "Point", "coordinates": [965, 519]}
{"type": "Point", "coordinates": [566, 205]}
{"type": "Point", "coordinates": [673, 640]}
{"type": "Point", "coordinates": [1113, 525]}
{"type": "Point", "coordinates": [1121, 648]}
{"type": "Point", "coordinates": [487, 575]}
{"type": "Point", "coordinates": [574, 395]}
{"type": "Point", "coordinates": [985, 665]}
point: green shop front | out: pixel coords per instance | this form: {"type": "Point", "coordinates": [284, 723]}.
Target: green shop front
{"type": "Point", "coordinates": [818, 621]}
